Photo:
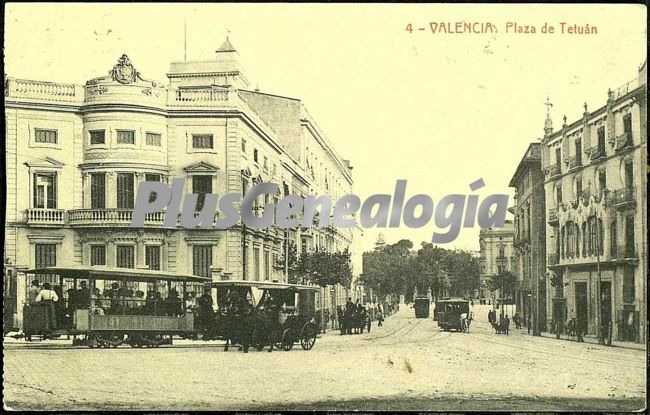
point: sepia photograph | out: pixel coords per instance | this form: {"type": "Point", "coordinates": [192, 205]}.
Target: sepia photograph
{"type": "Point", "coordinates": [325, 207]}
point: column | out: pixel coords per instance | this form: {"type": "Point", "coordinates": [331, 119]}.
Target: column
{"type": "Point", "coordinates": [111, 253]}
{"type": "Point", "coordinates": [85, 191]}
{"type": "Point", "coordinates": [140, 262]}
{"type": "Point", "coordinates": [111, 190]}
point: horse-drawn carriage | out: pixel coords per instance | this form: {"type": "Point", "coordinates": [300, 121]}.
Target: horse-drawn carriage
{"type": "Point", "coordinates": [453, 314]}
{"type": "Point", "coordinates": [261, 314]}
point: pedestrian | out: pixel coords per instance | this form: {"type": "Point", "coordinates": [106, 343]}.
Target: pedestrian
{"type": "Point", "coordinates": [380, 317]}
{"type": "Point", "coordinates": [506, 324]}
{"type": "Point", "coordinates": [48, 297]}
{"type": "Point", "coordinates": [368, 321]}
{"type": "Point", "coordinates": [34, 289]}
{"type": "Point", "coordinates": [205, 311]}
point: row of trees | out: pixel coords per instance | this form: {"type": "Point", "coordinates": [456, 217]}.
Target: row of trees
{"type": "Point", "coordinates": [318, 267]}
{"type": "Point", "coordinates": [399, 269]}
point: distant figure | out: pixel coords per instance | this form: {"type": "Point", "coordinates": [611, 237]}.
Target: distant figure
{"type": "Point", "coordinates": [206, 313]}
{"type": "Point", "coordinates": [506, 324]}
{"type": "Point", "coordinates": [380, 317]}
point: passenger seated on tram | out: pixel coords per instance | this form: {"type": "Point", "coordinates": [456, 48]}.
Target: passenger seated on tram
{"type": "Point", "coordinates": [174, 304]}
{"type": "Point", "coordinates": [82, 296]}
{"type": "Point", "coordinates": [96, 304]}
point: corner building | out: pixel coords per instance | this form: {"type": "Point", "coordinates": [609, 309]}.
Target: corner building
{"type": "Point", "coordinates": [77, 153]}
{"type": "Point", "coordinates": [595, 190]}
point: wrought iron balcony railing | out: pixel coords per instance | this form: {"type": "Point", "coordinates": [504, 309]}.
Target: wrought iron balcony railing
{"type": "Point", "coordinates": [554, 170]}
{"type": "Point", "coordinates": [624, 141]}
{"type": "Point", "coordinates": [623, 197]}
{"type": "Point", "coordinates": [597, 152]}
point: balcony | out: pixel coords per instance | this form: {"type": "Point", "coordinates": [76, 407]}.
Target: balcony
{"type": "Point", "coordinates": [202, 96]}
{"type": "Point", "coordinates": [43, 91]}
{"type": "Point", "coordinates": [575, 162]}
{"type": "Point", "coordinates": [552, 217]}
{"type": "Point", "coordinates": [46, 217]}
{"type": "Point", "coordinates": [502, 260]}
{"type": "Point", "coordinates": [624, 141]}
{"type": "Point", "coordinates": [554, 170]}
{"type": "Point", "coordinates": [552, 260]}
{"type": "Point", "coordinates": [597, 152]}
{"type": "Point", "coordinates": [623, 198]}
{"type": "Point", "coordinates": [110, 217]}
{"type": "Point", "coordinates": [626, 252]}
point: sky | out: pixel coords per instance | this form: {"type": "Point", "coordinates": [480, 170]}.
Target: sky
{"type": "Point", "coordinates": [439, 110]}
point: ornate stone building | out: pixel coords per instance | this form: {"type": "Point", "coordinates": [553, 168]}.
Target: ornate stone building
{"type": "Point", "coordinates": [77, 153]}
{"type": "Point", "coordinates": [529, 240]}
{"type": "Point", "coordinates": [595, 187]}
{"type": "Point", "coordinates": [496, 256]}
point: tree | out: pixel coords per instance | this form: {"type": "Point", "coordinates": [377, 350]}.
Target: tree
{"type": "Point", "coordinates": [505, 282]}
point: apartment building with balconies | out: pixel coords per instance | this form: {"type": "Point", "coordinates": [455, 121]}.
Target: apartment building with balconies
{"type": "Point", "coordinates": [530, 238]}
{"type": "Point", "coordinates": [595, 188]}
{"type": "Point", "coordinates": [77, 153]}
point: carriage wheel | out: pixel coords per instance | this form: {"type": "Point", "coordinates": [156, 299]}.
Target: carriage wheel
{"type": "Point", "coordinates": [135, 340]}
{"type": "Point", "coordinates": [287, 340]}
{"type": "Point", "coordinates": [308, 337]}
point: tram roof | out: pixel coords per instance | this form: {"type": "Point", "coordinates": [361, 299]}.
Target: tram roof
{"type": "Point", "coordinates": [264, 285]}
{"type": "Point", "coordinates": [453, 300]}
{"type": "Point", "coordinates": [106, 273]}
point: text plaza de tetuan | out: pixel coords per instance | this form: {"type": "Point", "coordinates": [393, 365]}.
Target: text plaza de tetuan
{"type": "Point", "coordinates": [578, 247]}
{"type": "Point", "coordinates": [77, 153]}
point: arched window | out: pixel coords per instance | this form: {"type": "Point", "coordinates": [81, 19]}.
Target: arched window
{"type": "Point", "coordinates": [601, 237]}
{"type": "Point", "coordinates": [584, 239]}
{"type": "Point", "coordinates": [563, 241]}
{"type": "Point", "coordinates": [577, 240]}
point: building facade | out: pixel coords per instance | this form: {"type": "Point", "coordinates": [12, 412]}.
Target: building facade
{"type": "Point", "coordinates": [530, 238]}
{"type": "Point", "coordinates": [77, 153]}
{"type": "Point", "coordinates": [496, 257]}
{"type": "Point", "coordinates": [595, 187]}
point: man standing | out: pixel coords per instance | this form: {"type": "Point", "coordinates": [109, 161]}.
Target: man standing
{"type": "Point", "coordinates": [205, 309]}
{"type": "Point", "coordinates": [33, 291]}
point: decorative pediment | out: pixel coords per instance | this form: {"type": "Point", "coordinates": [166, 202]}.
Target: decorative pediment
{"type": "Point", "coordinates": [45, 163]}
{"type": "Point", "coordinates": [202, 167]}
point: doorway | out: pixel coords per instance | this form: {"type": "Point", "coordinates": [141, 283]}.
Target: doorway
{"type": "Point", "coordinates": [606, 304]}
{"type": "Point", "coordinates": [581, 306]}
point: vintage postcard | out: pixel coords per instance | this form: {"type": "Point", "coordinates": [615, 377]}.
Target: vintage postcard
{"type": "Point", "coordinates": [333, 207]}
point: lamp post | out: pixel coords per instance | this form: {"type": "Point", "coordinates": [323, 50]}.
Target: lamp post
{"type": "Point", "coordinates": [601, 339]}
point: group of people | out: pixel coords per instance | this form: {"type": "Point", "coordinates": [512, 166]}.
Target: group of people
{"type": "Point", "coordinates": [355, 317]}
{"type": "Point", "coordinates": [116, 300]}
{"type": "Point", "coordinates": [502, 326]}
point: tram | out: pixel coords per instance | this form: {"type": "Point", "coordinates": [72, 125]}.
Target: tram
{"type": "Point", "coordinates": [449, 312]}
{"type": "Point", "coordinates": [107, 307]}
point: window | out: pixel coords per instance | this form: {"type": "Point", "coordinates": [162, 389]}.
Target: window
{"type": "Point", "coordinates": [267, 266]}
{"type": "Point", "coordinates": [559, 195]}
{"type": "Point", "coordinates": [266, 163]}
{"type": "Point", "coordinates": [125, 190]}
{"type": "Point", "coordinates": [243, 146]}
{"type": "Point", "coordinates": [45, 190]}
{"type": "Point", "coordinates": [202, 141]}
{"type": "Point", "coordinates": [97, 137]}
{"type": "Point", "coordinates": [201, 260]}
{"type": "Point", "coordinates": [201, 185]}
{"type": "Point", "coordinates": [578, 188]}
{"type": "Point", "coordinates": [125, 137]}
{"type": "Point", "coordinates": [256, 262]}
{"type": "Point", "coordinates": [97, 255]}
{"type": "Point", "coordinates": [98, 191]}
{"type": "Point", "coordinates": [578, 151]}
{"type": "Point", "coordinates": [612, 239]}
{"type": "Point", "coordinates": [45, 255]}
{"type": "Point", "coordinates": [150, 177]}
{"type": "Point", "coordinates": [152, 257]}
{"type": "Point", "coordinates": [125, 256]}
{"type": "Point", "coordinates": [627, 126]}
{"type": "Point", "coordinates": [45, 136]}
{"type": "Point", "coordinates": [602, 180]}
{"type": "Point", "coordinates": [275, 169]}
{"type": "Point", "coordinates": [601, 140]}
{"type": "Point", "coordinates": [502, 252]}
{"type": "Point", "coordinates": [153, 139]}
{"type": "Point", "coordinates": [255, 155]}
{"type": "Point", "coordinates": [558, 156]}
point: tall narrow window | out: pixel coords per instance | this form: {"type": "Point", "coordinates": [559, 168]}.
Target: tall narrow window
{"type": "Point", "coordinates": [256, 263]}
{"type": "Point", "coordinates": [125, 137]}
{"type": "Point", "coordinates": [201, 185]}
{"type": "Point", "coordinates": [45, 136]}
{"type": "Point", "coordinates": [97, 255]}
{"type": "Point", "coordinates": [125, 256]}
{"type": "Point", "coordinates": [45, 190]}
{"type": "Point", "coordinates": [201, 260]}
{"type": "Point", "coordinates": [627, 127]}
{"type": "Point", "coordinates": [98, 191]}
{"type": "Point", "coordinates": [613, 239]}
{"type": "Point", "coordinates": [602, 180]}
{"type": "Point", "coordinates": [255, 155]}
{"type": "Point", "coordinates": [578, 151]}
{"type": "Point", "coordinates": [558, 157]}
{"type": "Point", "coordinates": [151, 177]}
{"type": "Point", "coordinates": [578, 188]}
{"type": "Point", "coordinates": [45, 255]}
{"type": "Point", "coordinates": [125, 190]}
{"type": "Point", "coordinates": [267, 266]}
{"type": "Point", "coordinates": [601, 140]}
{"type": "Point", "coordinates": [628, 285]}
{"type": "Point", "coordinates": [152, 257]}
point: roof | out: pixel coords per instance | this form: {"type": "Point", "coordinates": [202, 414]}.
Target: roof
{"type": "Point", "coordinates": [532, 157]}
{"type": "Point", "coordinates": [116, 273]}
{"type": "Point", "coordinates": [264, 285]}
{"type": "Point", "coordinates": [226, 46]}
{"type": "Point", "coordinates": [453, 300]}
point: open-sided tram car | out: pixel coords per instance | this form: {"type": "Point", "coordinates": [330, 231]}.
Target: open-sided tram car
{"type": "Point", "coordinates": [115, 316]}
{"type": "Point", "coordinates": [448, 312]}
{"type": "Point", "coordinates": [294, 306]}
